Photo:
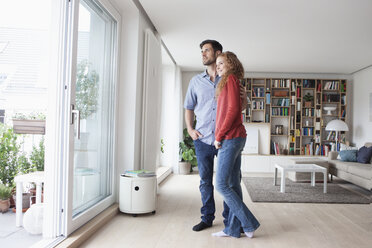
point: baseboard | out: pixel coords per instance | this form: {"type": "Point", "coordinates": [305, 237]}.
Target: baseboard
{"type": "Point", "coordinates": [83, 233]}
{"type": "Point", "coordinates": [162, 172]}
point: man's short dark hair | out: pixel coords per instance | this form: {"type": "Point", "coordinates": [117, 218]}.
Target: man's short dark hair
{"type": "Point", "coordinates": [215, 44]}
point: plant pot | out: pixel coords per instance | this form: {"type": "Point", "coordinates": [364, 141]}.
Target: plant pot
{"type": "Point", "coordinates": [308, 104]}
{"type": "Point", "coordinates": [4, 205]}
{"type": "Point", "coordinates": [25, 200]}
{"type": "Point", "coordinates": [184, 168]}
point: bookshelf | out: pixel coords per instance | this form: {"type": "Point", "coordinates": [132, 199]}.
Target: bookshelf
{"type": "Point", "coordinates": [294, 108]}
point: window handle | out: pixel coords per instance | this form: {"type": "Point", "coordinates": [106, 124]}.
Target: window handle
{"type": "Point", "coordinates": [75, 112]}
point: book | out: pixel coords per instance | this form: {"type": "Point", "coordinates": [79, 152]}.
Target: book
{"type": "Point", "coordinates": [138, 173]}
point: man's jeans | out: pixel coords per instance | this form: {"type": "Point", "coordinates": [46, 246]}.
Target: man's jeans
{"type": "Point", "coordinates": [228, 184]}
{"type": "Point", "coordinates": [205, 155]}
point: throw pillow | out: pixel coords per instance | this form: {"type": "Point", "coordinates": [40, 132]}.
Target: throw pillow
{"type": "Point", "coordinates": [344, 147]}
{"type": "Point", "coordinates": [349, 155]}
{"type": "Point", "coordinates": [364, 155]}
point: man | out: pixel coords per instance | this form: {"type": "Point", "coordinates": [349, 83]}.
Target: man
{"type": "Point", "coordinates": [200, 101]}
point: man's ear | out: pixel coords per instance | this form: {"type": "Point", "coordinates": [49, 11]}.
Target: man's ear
{"type": "Point", "coordinates": [218, 53]}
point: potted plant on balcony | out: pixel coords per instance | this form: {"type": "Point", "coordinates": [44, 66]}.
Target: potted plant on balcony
{"type": "Point", "coordinates": [33, 123]}
{"type": "Point", "coordinates": [308, 98]}
{"type": "Point", "coordinates": [5, 193]}
{"type": "Point", "coordinates": [187, 154]}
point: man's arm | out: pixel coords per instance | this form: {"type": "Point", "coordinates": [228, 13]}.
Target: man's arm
{"type": "Point", "coordinates": [243, 96]}
{"type": "Point", "coordinates": [189, 119]}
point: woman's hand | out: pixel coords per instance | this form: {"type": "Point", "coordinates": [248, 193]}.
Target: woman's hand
{"type": "Point", "coordinates": [217, 144]}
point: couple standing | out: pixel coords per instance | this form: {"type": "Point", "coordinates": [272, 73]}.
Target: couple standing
{"type": "Point", "coordinates": [215, 98]}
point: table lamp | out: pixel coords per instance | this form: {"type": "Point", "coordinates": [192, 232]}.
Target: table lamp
{"type": "Point", "coordinates": [337, 125]}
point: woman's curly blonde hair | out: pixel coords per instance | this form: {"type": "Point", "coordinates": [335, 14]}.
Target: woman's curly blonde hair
{"type": "Point", "coordinates": [234, 66]}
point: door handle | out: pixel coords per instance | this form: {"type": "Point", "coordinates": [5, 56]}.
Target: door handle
{"type": "Point", "coordinates": [75, 112]}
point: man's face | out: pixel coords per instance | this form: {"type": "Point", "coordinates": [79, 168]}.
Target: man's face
{"type": "Point", "coordinates": [208, 54]}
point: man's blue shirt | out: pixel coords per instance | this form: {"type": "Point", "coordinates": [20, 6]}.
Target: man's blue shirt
{"type": "Point", "coordinates": [200, 98]}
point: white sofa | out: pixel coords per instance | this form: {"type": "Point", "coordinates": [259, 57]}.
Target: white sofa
{"type": "Point", "coordinates": [354, 172]}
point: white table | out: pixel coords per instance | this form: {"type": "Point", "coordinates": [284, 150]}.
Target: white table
{"type": "Point", "coordinates": [34, 177]}
{"type": "Point", "coordinates": [313, 168]}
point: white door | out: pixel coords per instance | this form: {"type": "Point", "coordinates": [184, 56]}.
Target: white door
{"type": "Point", "coordinates": [91, 112]}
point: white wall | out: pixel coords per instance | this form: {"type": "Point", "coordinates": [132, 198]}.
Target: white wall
{"type": "Point", "coordinates": [129, 104]}
{"type": "Point", "coordinates": [361, 124]}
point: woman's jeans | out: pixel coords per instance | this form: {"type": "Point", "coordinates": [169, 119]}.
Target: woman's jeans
{"type": "Point", "coordinates": [228, 184]}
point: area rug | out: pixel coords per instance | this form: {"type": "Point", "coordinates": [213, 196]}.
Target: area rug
{"type": "Point", "coordinates": [262, 189]}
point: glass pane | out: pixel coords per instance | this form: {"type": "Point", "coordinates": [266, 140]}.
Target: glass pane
{"type": "Point", "coordinates": [93, 152]}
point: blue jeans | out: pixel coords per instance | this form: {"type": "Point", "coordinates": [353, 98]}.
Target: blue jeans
{"type": "Point", "coordinates": [205, 156]}
{"type": "Point", "coordinates": [228, 184]}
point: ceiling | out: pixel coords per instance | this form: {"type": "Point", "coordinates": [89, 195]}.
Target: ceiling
{"type": "Point", "coordinates": [301, 36]}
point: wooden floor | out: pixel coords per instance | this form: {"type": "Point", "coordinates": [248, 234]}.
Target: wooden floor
{"type": "Point", "coordinates": [282, 224]}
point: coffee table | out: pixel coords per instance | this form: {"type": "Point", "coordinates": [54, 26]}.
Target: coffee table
{"type": "Point", "coordinates": [312, 168]}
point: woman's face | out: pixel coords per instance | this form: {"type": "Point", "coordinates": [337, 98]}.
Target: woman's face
{"type": "Point", "coordinates": [222, 66]}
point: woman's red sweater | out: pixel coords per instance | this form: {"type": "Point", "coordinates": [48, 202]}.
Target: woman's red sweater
{"type": "Point", "coordinates": [229, 120]}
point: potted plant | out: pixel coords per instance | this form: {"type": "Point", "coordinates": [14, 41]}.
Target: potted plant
{"type": "Point", "coordinates": [308, 98]}
{"type": "Point", "coordinates": [187, 154]}
{"type": "Point", "coordinates": [9, 151]}
{"type": "Point", "coordinates": [33, 123]}
{"type": "Point", "coordinates": [5, 193]}
{"type": "Point", "coordinates": [86, 89]}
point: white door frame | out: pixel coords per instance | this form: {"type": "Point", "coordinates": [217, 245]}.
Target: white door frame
{"type": "Point", "coordinates": [58, 192]}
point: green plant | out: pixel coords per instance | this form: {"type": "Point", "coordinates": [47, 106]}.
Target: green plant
{"type": "Point", "coordinates": [31, 116]}
{"type": "Point", "coordinates": [187, 149]}
{"type": "Point", "coordinates": [37, 156]}
{"type": "Point", "coordinates": [9, 150]}
{"type": "Point", "coordinates": [162, 145]}
{"type": "Point", "coordinates": [23, 165]}
{"type": "Point", "coordinates": [308, 97]}
{"type": "Point", "coordinates": [86, 89]}
{"type": "Point", "coordinates": [5, 192]}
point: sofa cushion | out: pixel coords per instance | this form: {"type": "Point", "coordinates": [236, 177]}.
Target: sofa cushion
{"type": "Point", "coordinates": [349, 155]}
{"type": "Point", "coordinates": [361, 170]}
{"type": "Point", "coordinates": [340, 165]}
{"type": "Point", "coordinates": [364, 155]}
{"type": "Point", "coordinates": [344, 147]}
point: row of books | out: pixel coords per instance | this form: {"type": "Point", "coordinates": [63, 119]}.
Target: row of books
{"type": "Point", "coordinates": [331, 136]}
{"type": "Point", "coordinates": [283, 102]}
{"type": "Point", "coordinates": [343, 113]}
{"type": "Point", "coordinates": [277, 111]}
{"type": "Point", "coordinates": [331, 98]}
{"type": "Point", "coordinates": [138, 173]}
{"type": "Point", "coordinates": [280, 83]}
{"type": "Point", "coordinates": [258, 92]}
{"type": "Point", "coordinates": [275, 146]}
{"type": "Point", "coordinates": [343, 100]}
{"type": "Point", "coordinates": [258, 104]}
{"type": "Point", "coordinates": [343, 87]}
{"type": "Point", "coordinates": [308, 83]}
{"type": "Point", "coordinates": [322, 150]}
{"type": "Point", "coordinates": [331, 85]}
{"type": "Point", "coordinates": [319, 88]}
{"type": "Point", "coordinates": [308, 149]}
{"type": "Point", "coordinates": [308, 112]}
{"type": "Point", "coordinates": [308, 131]}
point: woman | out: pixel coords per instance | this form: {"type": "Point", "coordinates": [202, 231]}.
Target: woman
{"type": "Point", "coordinates": [230, 140]}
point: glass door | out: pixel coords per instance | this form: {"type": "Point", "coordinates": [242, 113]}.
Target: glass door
{"type": "Point", "coordinates": [92, 113]}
